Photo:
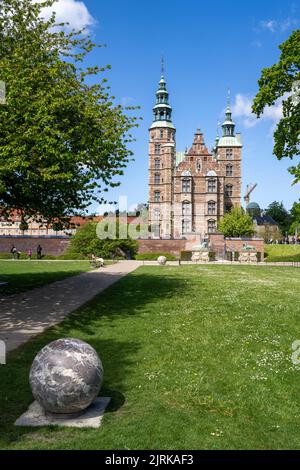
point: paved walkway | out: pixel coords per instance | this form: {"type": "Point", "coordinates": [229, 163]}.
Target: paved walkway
{"type": "Point", "coordinates": [25, 315]}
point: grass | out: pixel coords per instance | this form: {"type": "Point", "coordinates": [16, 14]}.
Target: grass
{"type": "Point", "coordinates": [282, 253]}
{"type": "Point", "coordinates": [25, 275]}
{"type": "Point", "coordinates": [195, 357]}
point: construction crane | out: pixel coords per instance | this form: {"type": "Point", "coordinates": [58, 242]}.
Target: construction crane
{"type": "Point", "coordinates": [249, 190]}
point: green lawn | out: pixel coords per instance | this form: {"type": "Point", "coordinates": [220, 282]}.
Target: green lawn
{"type": "Point", "coordinates": [194, 357]}
{"type": "Point", "coordinates": [25, 275]}
{"type": "Point", "coordinates": [282, 253]}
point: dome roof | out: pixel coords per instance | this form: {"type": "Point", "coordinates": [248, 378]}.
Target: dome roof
{"type": "Point", "coordinates": [253, 205]}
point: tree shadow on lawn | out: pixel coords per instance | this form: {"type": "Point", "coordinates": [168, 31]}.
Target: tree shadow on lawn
{"type": "Point", "coordinates": [118, 357]}
{"type": "Point", "coordinates": [24, 282]}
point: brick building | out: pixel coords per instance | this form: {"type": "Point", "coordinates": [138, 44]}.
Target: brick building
{"type": "Point", "coordinates": [190, 191]}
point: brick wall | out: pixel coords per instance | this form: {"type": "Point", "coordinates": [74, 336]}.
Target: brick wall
{"type": "Point", "coordinates": [174, 247]}
{"type": "Point", "coordinates": [51, 246]}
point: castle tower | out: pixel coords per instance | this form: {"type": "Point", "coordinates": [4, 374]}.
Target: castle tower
{"type": "Point", "coordinates": [228, 151]}
{"type": "Point", "coordinates": [161, 164]}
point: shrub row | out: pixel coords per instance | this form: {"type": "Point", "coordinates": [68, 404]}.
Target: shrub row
{"type": "Point", "coordinates": [154, 256]}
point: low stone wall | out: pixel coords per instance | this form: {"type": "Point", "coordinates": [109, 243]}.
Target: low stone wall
{"type": "Point", "coordinates": [172, 246]}
{"type": "Point", "coordinates": [51, 246]}
{"type": "Point", "coordinates": [217, 243]}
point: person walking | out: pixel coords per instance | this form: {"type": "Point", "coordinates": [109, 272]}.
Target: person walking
{"type": "Point", "coordinates": [13, 252]}
{"type": "Point", "coordinates": [29, 253]}
{"type": "Point", "coordinates": [39, 252]}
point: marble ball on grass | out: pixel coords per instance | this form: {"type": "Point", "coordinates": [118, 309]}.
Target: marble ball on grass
{"type": "Point", "coordinates": [66, 376]}
{"type": "Point", "coordinates": [162, 260]}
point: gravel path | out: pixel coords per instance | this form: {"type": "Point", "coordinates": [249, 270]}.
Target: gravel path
{"type": "Point", "coordinates": [25, 315]}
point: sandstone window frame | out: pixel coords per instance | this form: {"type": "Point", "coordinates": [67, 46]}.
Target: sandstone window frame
{"type": "Point", "coordinates": [229, 190]}
{"type": "Point", "coordinates": [229, 154]}
{"type": "Point", "coordinates": [157, 179]}
{"type": "Point", "coordinates": [211, 207]}
{"type": "Point", "coordinates": [186, 209]}
{"type": "Point", "coordinates": [157, 149]}
{"type": "Point", "coordinates": [229, 170]}
{"type": "Point", "coordinates": [212, 185]}
{"type": "Point", "coordinates": [186, 226]}
{"type": "Point", "coordinates": [211, 226]}
{"type": "Point", "coordinates": [156, 196]}
{"type": "Point", "coordinates": [186, 185]}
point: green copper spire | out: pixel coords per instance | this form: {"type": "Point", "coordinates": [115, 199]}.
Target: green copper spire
{"type": "Point", "coordinates": [162, 111]}
{"type": "Point", "coordinates": [228, 125]}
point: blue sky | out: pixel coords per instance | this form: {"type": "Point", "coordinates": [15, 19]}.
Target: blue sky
{"type": "Point", "coordinates": [208, 47]}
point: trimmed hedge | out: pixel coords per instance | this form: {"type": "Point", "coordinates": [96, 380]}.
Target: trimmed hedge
{"type": "Point", "coordinates": [154, 256]}
{"type": "Point", "coordinates": [186, 255]}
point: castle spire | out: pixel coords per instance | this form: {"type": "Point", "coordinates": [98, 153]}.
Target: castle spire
{"type": "Point", "coordinates": [228, 125]}
{"type": "Point", "coordinates": [162, 111]}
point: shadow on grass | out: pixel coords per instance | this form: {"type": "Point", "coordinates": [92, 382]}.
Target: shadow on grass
{"type": "Point", "coordinates": [23, 282]}
{"type": "Point", "coordinates": [124, 299]}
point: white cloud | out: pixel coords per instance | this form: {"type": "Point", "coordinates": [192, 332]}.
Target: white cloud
{"type": "Point", "coordinates": [73, 12]}
{"type": "Point", "coordinates": [242, 108]}
{"type": "Point", "coordinates": [275, 26]}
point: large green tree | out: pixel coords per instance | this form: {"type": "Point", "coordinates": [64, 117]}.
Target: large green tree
{"type": "Point", "coordinates": [236, 223]}
{"type": "Point", "coordinates": [282, 80]}
{"type": "Point", "coordinates": [295, 219]}
{"type": "Point", "coordinates": [63, 140]}
{"type": "Point", "coordinates": [280, 214]}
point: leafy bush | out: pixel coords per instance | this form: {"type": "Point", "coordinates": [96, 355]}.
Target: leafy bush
{"type": "Point", "coordinates": [154, 256]}
{"type": "Point", "coordinates": [236, 223]}
{"type": "Point", "coordinates": [212, 256]}
{"type": "Point", "coordinates": [186, 255]}
{"type": "Point", "coordinates": [85, 242]}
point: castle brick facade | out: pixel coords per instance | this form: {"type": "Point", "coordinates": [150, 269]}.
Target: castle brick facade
{"type": "Point", "coordinates": [190, 191]}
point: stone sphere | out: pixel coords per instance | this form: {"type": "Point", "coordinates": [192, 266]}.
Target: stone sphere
{"type": "Point", "coordinates": [66, 376]}
{"type": "Point", "coordinates": [162, 260]}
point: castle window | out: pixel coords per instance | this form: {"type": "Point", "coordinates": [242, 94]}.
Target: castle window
{"type": "Point", "coordinates": [157, 178]}
{"type": "Point", "coordinates": [156, 164]}
{"type": "Point", "coordinates": [211, 186]}
{"type": "Point", "coordinates": [156, 214]}
{"type": "Point", "coordinates": [229, 154]}
{"type": "Point", "coordinates": [211, 226]}
{"type": "Point", "coordinates": [186, 226]}
{"type": "Point", "coordinates": [157, 149]}
{"type": "Point", "coordinates": [198, 165]}
{"type": "Point", "coordinates": [161, 134]}
{"type": "Point", "coordinates": [169, 135]}
{"type": "Point", "coordinates": [186, 186]}
{"type": "Point", "coordinates": [228, 190]}
{"type": "Point", "coordinates": [186, 208]}
{"type": "Point", "coordinates": [211, 207]}
{"type": "Point", "coordinates": [229, 170]}
{"type": "Point", "coordinates": [157, 196]}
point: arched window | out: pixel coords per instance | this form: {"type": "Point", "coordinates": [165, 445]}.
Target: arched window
{"type": "Point", "coordinates": [211, 207]}
{"type": "Point", "coordinates": [186, 208]}
{"type": "Point", "coordinates": [198, 165]}
{"type": "Point", "coordinates": [211, 226]}
{"type": "Point", "coordinates": [212, 185]}
{"type": "Point", "coordinates": [157, 178]}
{"type": "Point", "coordinates": [228, 190]}
{"type": "Point", "coordinates": [186, 185]}
{"type": "Point", "coordinates": [229, 170]}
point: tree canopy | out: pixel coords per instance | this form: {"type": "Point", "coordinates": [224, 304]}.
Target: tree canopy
{"type": "Point", "coordinates": [236, 223]}
{"type": "Point", "coordinates": [282, 80]}
{"type": "Point", "coordinates": [279, 213]}
{"type": "Point", "coordinates": [63, 140]}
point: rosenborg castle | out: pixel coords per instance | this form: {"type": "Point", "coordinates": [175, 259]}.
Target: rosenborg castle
{"type": "Point", "coordinates": [190, 191]}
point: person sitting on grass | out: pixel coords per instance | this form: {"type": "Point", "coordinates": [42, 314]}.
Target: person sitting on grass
{"type": "Point", "coordinates": [13, 252]}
